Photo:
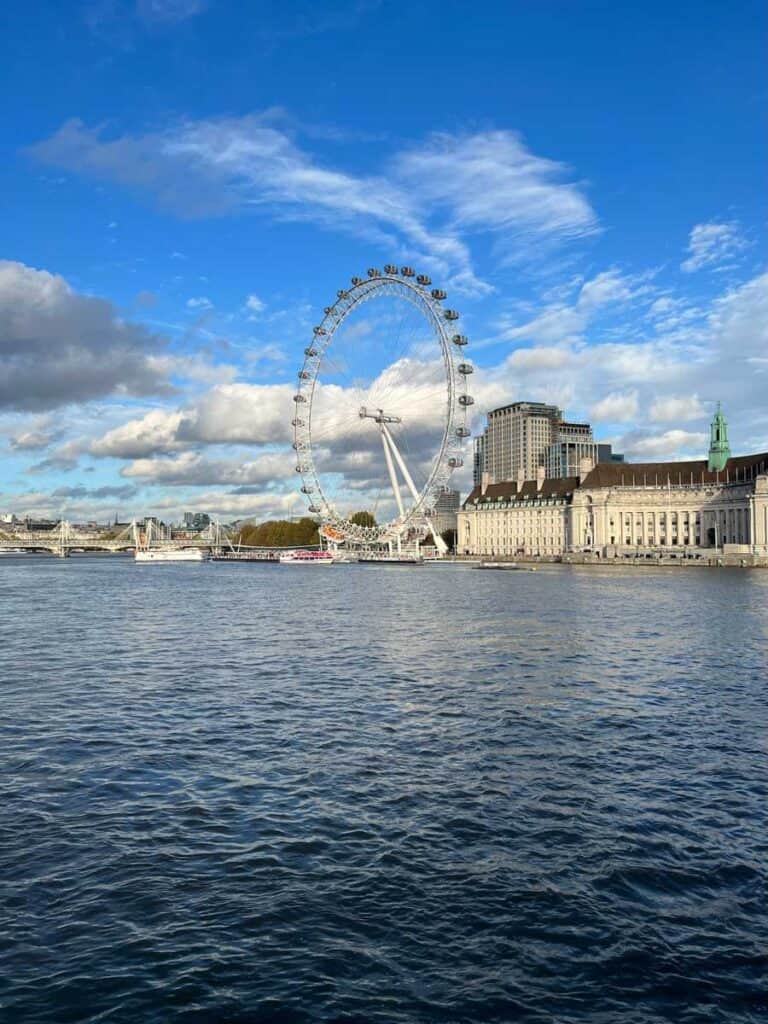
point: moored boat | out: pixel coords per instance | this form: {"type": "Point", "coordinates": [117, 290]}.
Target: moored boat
{"type": "Point", "coordinates": [306, 558]}
{"type": "Point", "coordinates": [171, 555]}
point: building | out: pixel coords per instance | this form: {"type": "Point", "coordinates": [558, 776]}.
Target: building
{"type": "Point", "coordinates": [196, 521]}
{"type": "Point", "coordinates": [572, 442]}
{"type": "Point", "coordinates": [478, 459]}
{"type": "Point", "coordinates": [443, 516]}
{"type": "Point", "coordinates": [711, 506]}
{"type": "Point", "coordinates": [526, 436]}
{"type": "Point", "coordinates": [517, 438]}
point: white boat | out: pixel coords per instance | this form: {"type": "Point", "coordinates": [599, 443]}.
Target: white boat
{"type": "Point", "coordinates": [170, 555]}
{"type": "Point", "coordinates": [306, 558]}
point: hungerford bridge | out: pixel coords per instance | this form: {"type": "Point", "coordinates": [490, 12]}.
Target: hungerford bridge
{"type": "Point", "coordinates": [63, 539]}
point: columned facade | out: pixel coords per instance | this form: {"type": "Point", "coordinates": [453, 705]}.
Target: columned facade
{"type": "Point", "coordinates": [616, 511]}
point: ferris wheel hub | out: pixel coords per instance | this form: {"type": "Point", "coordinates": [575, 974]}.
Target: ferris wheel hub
{"type": "Point", "coordinates": [378, 415]}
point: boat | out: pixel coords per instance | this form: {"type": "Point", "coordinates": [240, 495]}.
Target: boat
{"type": "Point", "coordinates": [306, 558]}
{"type": "Point", "coordinates": [391, 559]}
{"type": "Point", "coordinates": [171, 555]}
{"type": "Point", "coordinates": [509, 566]}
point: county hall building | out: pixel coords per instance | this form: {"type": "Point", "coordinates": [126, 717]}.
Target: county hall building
{"type": "Point", "coordinates": [613, 510]}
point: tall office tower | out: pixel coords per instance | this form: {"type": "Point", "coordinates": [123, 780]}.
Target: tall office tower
{"type": "Point", "coordinates": [517, 439]}
{"type": "Point", "coordinates": [571, 443]}
{"type": "Point", "coordinates": [478, 458]}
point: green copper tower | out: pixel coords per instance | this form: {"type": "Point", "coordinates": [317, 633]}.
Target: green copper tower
{"type": "Point", "coordinates": [719, 449]}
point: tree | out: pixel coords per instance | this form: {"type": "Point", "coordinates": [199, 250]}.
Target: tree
{"type": "Point", "coordinates": [363, 519]}
{"type": "Point", "coordinates": [279, 533]}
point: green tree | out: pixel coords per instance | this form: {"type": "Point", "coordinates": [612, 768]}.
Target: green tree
{"type": "Point", "coordinates": [279, 533]}
{"type": "Point", "coordinates": [363, 519]}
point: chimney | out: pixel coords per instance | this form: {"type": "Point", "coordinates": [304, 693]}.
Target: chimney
{"type": "Point", "coordinates": [586, 466]}
{"type": "Point", "coordinates": [485, 479]}
{"type": "Point", "coordinates": [520, 478]}
{"type": "Point", "coordinates": [540, 477]}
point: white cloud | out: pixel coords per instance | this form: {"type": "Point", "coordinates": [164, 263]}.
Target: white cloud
{"type": "Point", "coordinates": [154, 432]}
{"type": "Point", "coordinates": [192, 469]}
{"type": "Point", "coordinates": [200, 302]}
{"type": "Point", "coordinates": [255, 305]}
{"type": "Point", "coordinates": [228, 414]}
{"type": "Point", "coordinates": [677, 409]}
{"type": "Point", "coordinates": [713, 245]}
{"type": "Point", "coordinates": [58, 347]}
{"type": "Point", "coordinates": [616, 408]}
{"type": "Point", "coordinates": [671, 445]}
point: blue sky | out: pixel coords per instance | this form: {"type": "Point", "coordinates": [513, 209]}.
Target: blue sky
{"type": "Point", "coordinates": [186, 183]}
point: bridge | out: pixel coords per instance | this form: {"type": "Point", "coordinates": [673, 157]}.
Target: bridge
{"type": "Point", "coordinates": [63, 539]}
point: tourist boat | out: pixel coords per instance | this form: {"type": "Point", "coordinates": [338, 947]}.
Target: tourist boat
{"type": "Point", "coordinates": [306, 558]}
{"type": "Point", "coordinates": [171, 555]}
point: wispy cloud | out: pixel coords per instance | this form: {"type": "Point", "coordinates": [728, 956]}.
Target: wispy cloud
{"type": "Point", "coordinates": [491, 181]}
{"type": "Point", "coordinates": [714, 245]}
{"type": "Point", "coordinates": [424, 205]}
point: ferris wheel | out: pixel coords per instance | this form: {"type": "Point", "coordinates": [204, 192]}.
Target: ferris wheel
{"type": "Point", "coordinates": [381, 409]}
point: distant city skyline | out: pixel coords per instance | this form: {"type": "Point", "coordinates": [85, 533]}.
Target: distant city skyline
{"type": "Point", "coordinates": [586, 183]}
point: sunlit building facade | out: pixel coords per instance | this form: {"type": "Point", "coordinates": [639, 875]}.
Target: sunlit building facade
{"type": "Point", "coordinates": [619, 510]}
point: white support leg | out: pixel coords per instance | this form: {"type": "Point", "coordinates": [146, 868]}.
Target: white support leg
{"type": "Point", "coordinates": [391, 468]}
{"type": "Point", "coordinates": [442, 547]}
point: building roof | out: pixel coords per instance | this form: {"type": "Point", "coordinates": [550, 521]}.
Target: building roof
{"type": "Point", "coordinates": [535, 406]}
{"type": "Point", "coordinates": [556, 487]}
{"type": "Point", "coordinates": [738, 469]}
{"type": "Point", "coordinates": [650, 474]}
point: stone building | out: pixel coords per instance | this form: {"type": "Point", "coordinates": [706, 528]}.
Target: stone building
{"type": "Point", "coordinates": [620, 510]}
{"type": "Point", "coordinates": [523, 437]}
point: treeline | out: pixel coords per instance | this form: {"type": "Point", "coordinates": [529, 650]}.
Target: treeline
{"type": "Point", "coordinates": [279, 533]}
{"type": "Point", "coordinates": [284, 533]}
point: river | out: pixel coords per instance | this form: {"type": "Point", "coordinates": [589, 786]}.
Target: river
{"type": "Point", "coordinates": [242, 793]}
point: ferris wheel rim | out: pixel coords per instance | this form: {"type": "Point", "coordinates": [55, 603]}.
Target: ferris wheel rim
{"type": "Point", "coordinates": [416, 291]}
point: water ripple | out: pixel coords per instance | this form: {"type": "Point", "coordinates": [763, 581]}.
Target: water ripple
{"type": "Point", "coordinates": [244, 794]}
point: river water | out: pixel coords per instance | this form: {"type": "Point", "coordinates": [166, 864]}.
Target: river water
{"type": "Point", "coordinates": [238, 793]}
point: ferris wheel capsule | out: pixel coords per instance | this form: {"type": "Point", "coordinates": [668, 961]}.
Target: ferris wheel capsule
{"type": "Point", "coordinates": [462, 432]}
{"type": "Point", "coordinates": [390, 268]}
{"type": "Point", "coordinates": [455, 462]}
{"type": "Point", "coordinates": [330, 310]}
{"type": "Point", "coordinates": [356, 281]}
{"type": "Point", "coordinates": [319, 330]}
{"type": "Point", "coordinates": [466, 400]}
{"type": "Point", "coordinates": [407, 271]}
{"type": "Point", "coordinates": [342, 294]}
{"type": "Point", "coordinates": [297, 422]}
{"type": "Point", "coordinates": [298, 399]}
{"type": "Point", "coordinates": [303, 375]}
{"type": "Point", "coordinates": [459, 339]}
{"type": "Point", "coordinates": [310, 352]}
{"type": "Point", "coordinates": [423, 280]}
{"type": "Point", "coordinates": [451, 314]}
{"type": "Point", "coordinates": [439, 294]}
{"type": "Point", "coordinates": [465, 369]}
{"type": "Point", "coordinates": [373, 272]}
